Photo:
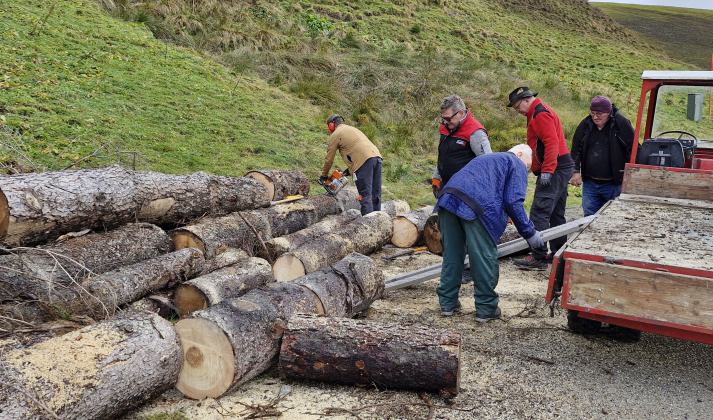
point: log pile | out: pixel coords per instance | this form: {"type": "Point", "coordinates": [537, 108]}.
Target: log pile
{"type": "Point", "coordinates": [408, 227]}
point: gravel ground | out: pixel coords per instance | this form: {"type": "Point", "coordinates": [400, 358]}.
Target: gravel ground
{"type": "Point", "coordinates": [526, 365]}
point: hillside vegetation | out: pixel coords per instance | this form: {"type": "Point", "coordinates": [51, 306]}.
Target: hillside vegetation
{"type": "Point", "coordinates": [245, 84]}
{"type": "Point", "coordinates": [686, 34]}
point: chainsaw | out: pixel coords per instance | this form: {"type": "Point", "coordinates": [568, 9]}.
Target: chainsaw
{"type": "Point", "coordinates": [335, 182]}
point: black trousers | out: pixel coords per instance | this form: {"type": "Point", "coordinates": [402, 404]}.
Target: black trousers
{"type": "Point", "coordinates": [368, 183]}
{"type": "Point", "coordinates": [548, 207]}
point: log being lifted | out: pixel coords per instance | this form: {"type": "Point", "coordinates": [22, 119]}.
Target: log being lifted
{"type": "Point", "coordinates": [432, 235]}
{"type": "Point", "coordinates": [232, 342]}
{"type": "Point", "coordinates": [280, 245]}
{"type": "Point", "coordinates": [97, 372]}
{"type": "Point", "coordinates": [42, 206]}
{"type": "Point", "coordinates": [364, 235]}
{"type": "Point", "coordinates": [408, 227]}
{"type": "Point", "coordinates": [385, 355]}
{"type": "Point", "coordinates": [226, 283]}
{"type": "Point", "coordinates": [237, 230]}
{"type": "Point", "coordinates": [395, 207]}
{"type": "Point", "coordinates": [33, 273]}
{"type": "Point", "coordinates": [280, 184]}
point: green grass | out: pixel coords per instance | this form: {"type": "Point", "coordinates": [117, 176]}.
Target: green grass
{"type": "Point", "coordinates": [684, 34]}
{"type": "Point", "coordinates": [238, 85]}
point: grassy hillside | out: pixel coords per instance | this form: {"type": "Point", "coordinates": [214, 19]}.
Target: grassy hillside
{"type": "Point", "coordinates": [73, 79]}
{"type": "Point", "coordinates": [244, 84]}
{"type": "Point", "coordinates": [685, 34]}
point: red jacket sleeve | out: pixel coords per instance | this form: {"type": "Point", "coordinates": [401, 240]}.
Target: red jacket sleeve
{"type": "Point", "coordinates": [545, 129]}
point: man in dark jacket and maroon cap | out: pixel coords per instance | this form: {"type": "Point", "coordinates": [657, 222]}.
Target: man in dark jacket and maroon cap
{"type": "Point", "coordinates": [601, 146]}
{"type": "Point", "coordinates": [552, 164]}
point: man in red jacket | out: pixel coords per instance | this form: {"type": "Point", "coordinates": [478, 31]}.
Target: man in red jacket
{"type": "Point", "coordinates": [552, 164]}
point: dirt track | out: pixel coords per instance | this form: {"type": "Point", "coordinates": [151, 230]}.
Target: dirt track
{"type": "Point", "coordinates": [527, 365]}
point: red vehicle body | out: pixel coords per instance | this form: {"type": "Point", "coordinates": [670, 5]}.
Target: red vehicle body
{"type": "Point", "coordinates": [610, 274]}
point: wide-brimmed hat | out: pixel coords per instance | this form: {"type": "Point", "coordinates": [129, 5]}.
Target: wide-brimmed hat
{"type": "Point", "coordinates": [520, 93]}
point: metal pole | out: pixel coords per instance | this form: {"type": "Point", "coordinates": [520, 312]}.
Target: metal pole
{"type": "Point", "coordinates": [505, 249]}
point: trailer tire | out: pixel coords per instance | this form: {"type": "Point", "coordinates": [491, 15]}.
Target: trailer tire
{"type": "Point", "coordinates": [624, 335]}
{"type": "Point", "coordinates": [581, 325]}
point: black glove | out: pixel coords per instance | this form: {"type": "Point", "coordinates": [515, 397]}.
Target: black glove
{"type": "Point", "coordinates": [545, 179]}
{"type": "Point", "coordinates": [346, 172]}
{"type": "Point", "coordinates": [323, 179]}
{"type": "Point", "coordinates": [436, 190]}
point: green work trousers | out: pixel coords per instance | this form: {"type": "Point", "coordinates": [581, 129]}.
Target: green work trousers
{"type": "Point", "coordinates": [459, 235]}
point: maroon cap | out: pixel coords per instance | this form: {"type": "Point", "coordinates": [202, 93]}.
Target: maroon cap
{"type": "Point", "coordinates": [601, 104]}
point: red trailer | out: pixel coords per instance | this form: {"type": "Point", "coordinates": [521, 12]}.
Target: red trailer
{"type": "Point", "coordinates": [645, 263]}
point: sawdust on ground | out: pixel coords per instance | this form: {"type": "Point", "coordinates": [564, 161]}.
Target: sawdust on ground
{"type": "Point", "coordinates": [527, 365]}
{"type": "Point", "coordinates": [60, 368]}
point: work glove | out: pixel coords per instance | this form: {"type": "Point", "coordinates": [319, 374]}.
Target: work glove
{"type": "Point", "coordinates": [346, 172]}
{"type": "Point", "coordinates": [545, 179]}
{"type": "Point", "coordinates": [323, 178]}
{"type": "Point", "coordinates": [535, 241]}
{"type": "Point", "coordinates": [436, 186]}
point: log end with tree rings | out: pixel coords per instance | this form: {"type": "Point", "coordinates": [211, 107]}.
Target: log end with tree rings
{"type": "Point", "coordinates": [4, 215]}
{"type": "Point", "coordinates": [189, 299]}
{"type": "Point", "coordinates": [208, 360]}
{"type": "Point", "coordinates": [432, 235]}
{"type": "Point", "coordinates": [288, 267]}
{"type": "Point", "coordinates": [266, 181]}
{"type": "Point", "coordinates": [405, 233]}
{"type": "Point", "coordinates": [185, 239]}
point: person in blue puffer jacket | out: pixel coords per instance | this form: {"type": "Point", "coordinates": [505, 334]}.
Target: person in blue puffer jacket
{"type": "Point", "coordinates": [473, 211]}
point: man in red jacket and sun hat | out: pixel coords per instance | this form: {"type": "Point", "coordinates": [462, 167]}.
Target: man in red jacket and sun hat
{"type": "Point", "coordinates": [552, 164]}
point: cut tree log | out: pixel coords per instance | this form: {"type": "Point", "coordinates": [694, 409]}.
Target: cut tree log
{"type": "Point", "coordinates": [42, 206]}
{"type": "Point", "coordinates": [395, 207]}
{"type": "Point", "coordinates": [100, 296]}
{"type": "Point", "coordinates": [98, 372]}
{"type": "Point", "coordinates": [408, 227]}
{"type": "Point", "coordinates": [226, 283]}
{"type": "Point", "coordinates": [238, 230]}
{"type": "Point", "coordinates": [230, 256]}
{"type": "Point", "coordinates": [280, 245]}
{"type": "Point", "coordinates": [232, 342]}
{"type": "Point", "coordinates": [385, 355]}
{"type": "Point", "coordinates": [159, 304]}
{"type": "Point", "coordinates": [364, 235]}
{"type": "Point", "coordinates": [432, 235]}
{"type": "Point", "coordinates": [35, 273]}
{"type": "Point", "coordinates": [280, 184]}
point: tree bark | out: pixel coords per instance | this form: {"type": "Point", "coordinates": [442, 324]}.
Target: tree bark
{"type": "Point", "coordinates": [395, 207]}
{"type": "Point", "coordinates": [226, 283]}
{"type": "Point", "coordinates": [364, 235]}
{"type": "Point", "coordinates": [43, 206]}
{"type": "Point", "coordinates": [100, 296]}
{"type": "Point", "coordinates": [36, 273]}
{"type": "Point", "coordinates": [387, 355]}
{"type": "Point", "coordinates": [287, 243]}
{"type": "Point", "coordinates": [158, 303]}
{"type": "Point", "coordinates": [237, 230]}
{"type": "Point", "coordinates": [230, 256]}
{"type": "Point", "coordinates": [432, 235]}
{"type": "Point", "coordinates": [232, 342]}
{"type": "Point", "coordinates": [100, 371]}
{"type": "Point", "coordinates": [280, 184]}
{"type": "Point", "coordinates": [408, 227]}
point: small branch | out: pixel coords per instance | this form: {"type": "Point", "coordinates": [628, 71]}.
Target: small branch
{"type": "Point", "coordinates": [259, 238]}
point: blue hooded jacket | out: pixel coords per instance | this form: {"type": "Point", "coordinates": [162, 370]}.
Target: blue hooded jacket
{"type": "Point", "coordinates": [491, 188]}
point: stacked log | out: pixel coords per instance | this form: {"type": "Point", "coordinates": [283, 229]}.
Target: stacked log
{"type": "Point", "coordinates": [408, 227]}
{"type": "Point", "coordinates": [364, 235]}
{"type": "Point", "coordinates": [395, 207]}
{"type": "Point", "coordinates": [37, 272]}
{"type": "Point", "coordinates": [100, 371]}
{"type": "Point", "coordinates": [249, 230]}
{"type": "Point", "coordinates": [388, 356]}
{"type": "Point", "coordinates": [232, 342]}
{"type": "Point", "coordinates": [42, 206]}
{"type": "Point", "coordinates": [230, 256]}
{"type": "Point", "coordinates": [280, 184]}
{"type": "Point", "coordinates": [226, 283]}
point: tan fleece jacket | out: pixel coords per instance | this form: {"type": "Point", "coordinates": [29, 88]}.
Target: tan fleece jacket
{"type": "Point", "coordinates": [354, 146]}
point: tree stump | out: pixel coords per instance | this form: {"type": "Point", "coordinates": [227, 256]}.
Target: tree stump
{"type": "Point", "coordinates": [98, 372]}
{"type": "Point", "coordinates": [386, 355]}
{"type": "Point", "coordinates": [280, 184]}
{"type": "Point", "coordinates": [408, 227]}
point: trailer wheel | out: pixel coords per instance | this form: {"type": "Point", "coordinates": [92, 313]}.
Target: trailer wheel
{"type": "Point", "coordinates": [582, 325]}
{"type": "Point", "coordinates": [623, 334]}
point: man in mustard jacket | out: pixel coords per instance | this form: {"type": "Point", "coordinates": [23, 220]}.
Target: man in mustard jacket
{"type": "Point", "coordinates": [362, 158]}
